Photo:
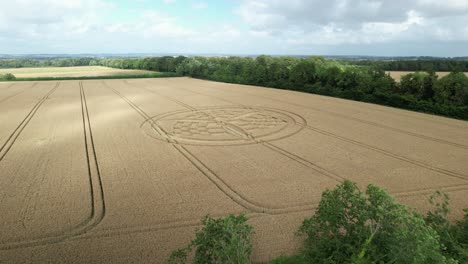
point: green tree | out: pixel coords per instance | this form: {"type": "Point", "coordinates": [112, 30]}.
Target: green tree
{"type": "Point", "coordinates": [413, 84]}
{"type": "Point", "coordinates": [453, 237]}
{"type": "Point", "coordinates": [7, 77]}
{"type": "Point", "coordinates": [302, 73]}
{"type": "Point", "coordinates": [452, 89]}
{"type": "Point", "coordinates": [223, 240]}
{"type": "Point", "coordinates": [429, 82]}
{"type": "Point", "coordinates": [352, 226]}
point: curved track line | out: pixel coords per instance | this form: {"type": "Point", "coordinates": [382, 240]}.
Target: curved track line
{"type": "Point", "coordinates": [8, 85]}
{"type": "Point", "coordinates": [96, 191]}
{"type": "Point", "coordinates": [427, 117]}
{"type": "Point", "coordinates": [449, 188]}
{"type": "Point", "coordinates": [170, 99]}
{"type": "Point", "coordinates": [15, 94]}
{"type": "Point", "coordinates": [390, 154]}
{"type": "Point", "coordinates": [382, 151]}
{"type": "Point", "coordinates": [340, 178]}
{"type": "Point", "coordinates": [10, 96]}
{"type": "Point", "coordinates": [228, 190]}
{"type": "Point", "coordinates": [269, 145]}
{"type": "Point", "coordinates": [305, 162]}
{"type": "Point", "coordinates": [232, 193]}
{"type": "Point", "coordinates": [196, 222]}
{"type": "Point", "coordinates": [154, 227]}
{"type": "Point", "coordinates": [359, 120]}
{"type": "Point", "coordinates": [5, 148]}
{"type": "Point", "coordinates": [375, 124]}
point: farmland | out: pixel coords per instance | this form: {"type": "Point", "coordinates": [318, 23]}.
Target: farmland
{"type": "Point", "coordinates": [78, 71]}
{"type": "Point", "coordinates": [396, 75]}
{"type": "Point", "coordinates": [122, 171]}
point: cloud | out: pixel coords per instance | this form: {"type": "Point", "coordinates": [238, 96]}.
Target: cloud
{"type": "Point", "coordinates": [42, 19]}
{"type": "Point", "coordinates": [199, 5]}
{"type": "Point", "coordinates": [335, 22]}
{"type": "Point", "coordinates": [254, 26]}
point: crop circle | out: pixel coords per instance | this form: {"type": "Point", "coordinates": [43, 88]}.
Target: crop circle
{"type": "Point", "coordinates": [224, 126]}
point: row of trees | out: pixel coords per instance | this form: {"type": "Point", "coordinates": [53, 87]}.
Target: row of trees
{"type": "Point", "coordinates": [161, 64]}
{"type": "Point", "coordinates": [445, 65]}
{"type": "Point", "coordinates": [451, 89]}
{"type": "Point", "coordinates": [349, 226]}
{"type": "Point", "coordinates": [168, 63]}
{"type": "Point", "coordinates": [417, 91]}
{"type": "Point", "coordinates": [64, 62]}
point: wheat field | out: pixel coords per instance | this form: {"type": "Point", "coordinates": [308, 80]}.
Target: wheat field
{"type": "Point", "coordinates": [122, 171]}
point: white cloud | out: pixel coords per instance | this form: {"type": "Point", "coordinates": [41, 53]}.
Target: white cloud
{"type": "Point", "coordinates": [337, 22]}
{"type": "Point", "coordinates": [258, 26]}
{"type": "Point", "coordinates": [39, 19]}
{"type": "Point", "coordinates": [199, 5]}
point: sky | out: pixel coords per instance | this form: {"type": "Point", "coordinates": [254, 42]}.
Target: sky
{"type": "Point", "coordinates": [243, 27]}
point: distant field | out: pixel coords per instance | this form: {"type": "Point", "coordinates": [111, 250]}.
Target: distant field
{"type": "Point", "coordinates": [398, 74]}
{"type": "Point", "coordinates": [81, 71]}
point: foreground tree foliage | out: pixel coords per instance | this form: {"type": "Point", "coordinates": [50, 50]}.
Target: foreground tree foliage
{"type": "Point", "coordinates": [454, 237]}
{"type": "Point", "coordinates": [351, 226]}
{"type": "Point", "coordinates": [223, 240]}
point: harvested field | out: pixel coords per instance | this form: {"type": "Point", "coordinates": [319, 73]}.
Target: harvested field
{"type": "Point", "coordinates": [122, 171]}
{"type": "Point", "coordinates": [398, 74]}
{"type": "Point", "coordinates": [78, 71]}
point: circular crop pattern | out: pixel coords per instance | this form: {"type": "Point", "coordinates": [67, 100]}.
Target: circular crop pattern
{"type": "Point", "coordinates": [224, 126]}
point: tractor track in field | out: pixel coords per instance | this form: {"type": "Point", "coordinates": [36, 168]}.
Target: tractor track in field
{"type": "Point", "coordinates": [370, 147]}
{"type": "Point", "coordinates": [390, 154]}
{"type": "Point", "coordinates": [156, 227]}
{"type": "Point", "coordinates": [355, 119]}
{"type": "Point", "coordinates": [272, 147]}
{"type": "Point", "coordinates": [96, 191]}
{"type": "Point", "coordinates": [421, 191]}
{"type": "Point", "coordinates": [228, 190]}
{"type": "Point", "coordinates": [375, 107]}
{"type": "Point", "coordinates": [17, 93]}
{"type": "Point", "coordinates": [8, 86]}
{"type": "Point", "coordinates": [81, 232]}
{"type": "Point", "coordinates": [5, 148]}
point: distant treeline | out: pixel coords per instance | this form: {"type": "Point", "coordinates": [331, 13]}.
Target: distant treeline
{"type": "Point", "coordinates": [446, 65]}
{"type": "Point", "coordinates": [65, 62]}
{"type": "Point", "coordinates": [423, 92]}
{"type": "Point", "coordinates": [419, 91]}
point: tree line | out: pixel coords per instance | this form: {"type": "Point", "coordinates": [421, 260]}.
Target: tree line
{"type": "Point", "coordinates": [62, 62]}
{"type": "Point", "coordinates": [420, 91]}
{"type": "Point", "coordinates": [445, 65]}
{"type": "Point", "coordinates": [417, 91]}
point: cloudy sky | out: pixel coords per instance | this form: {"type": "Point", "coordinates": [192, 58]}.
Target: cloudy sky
{"type": "Point", "coordinates": [331, 27]}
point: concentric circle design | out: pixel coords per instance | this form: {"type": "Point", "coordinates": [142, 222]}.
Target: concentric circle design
{"type": "Point", "coordinates": [224, 126]}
